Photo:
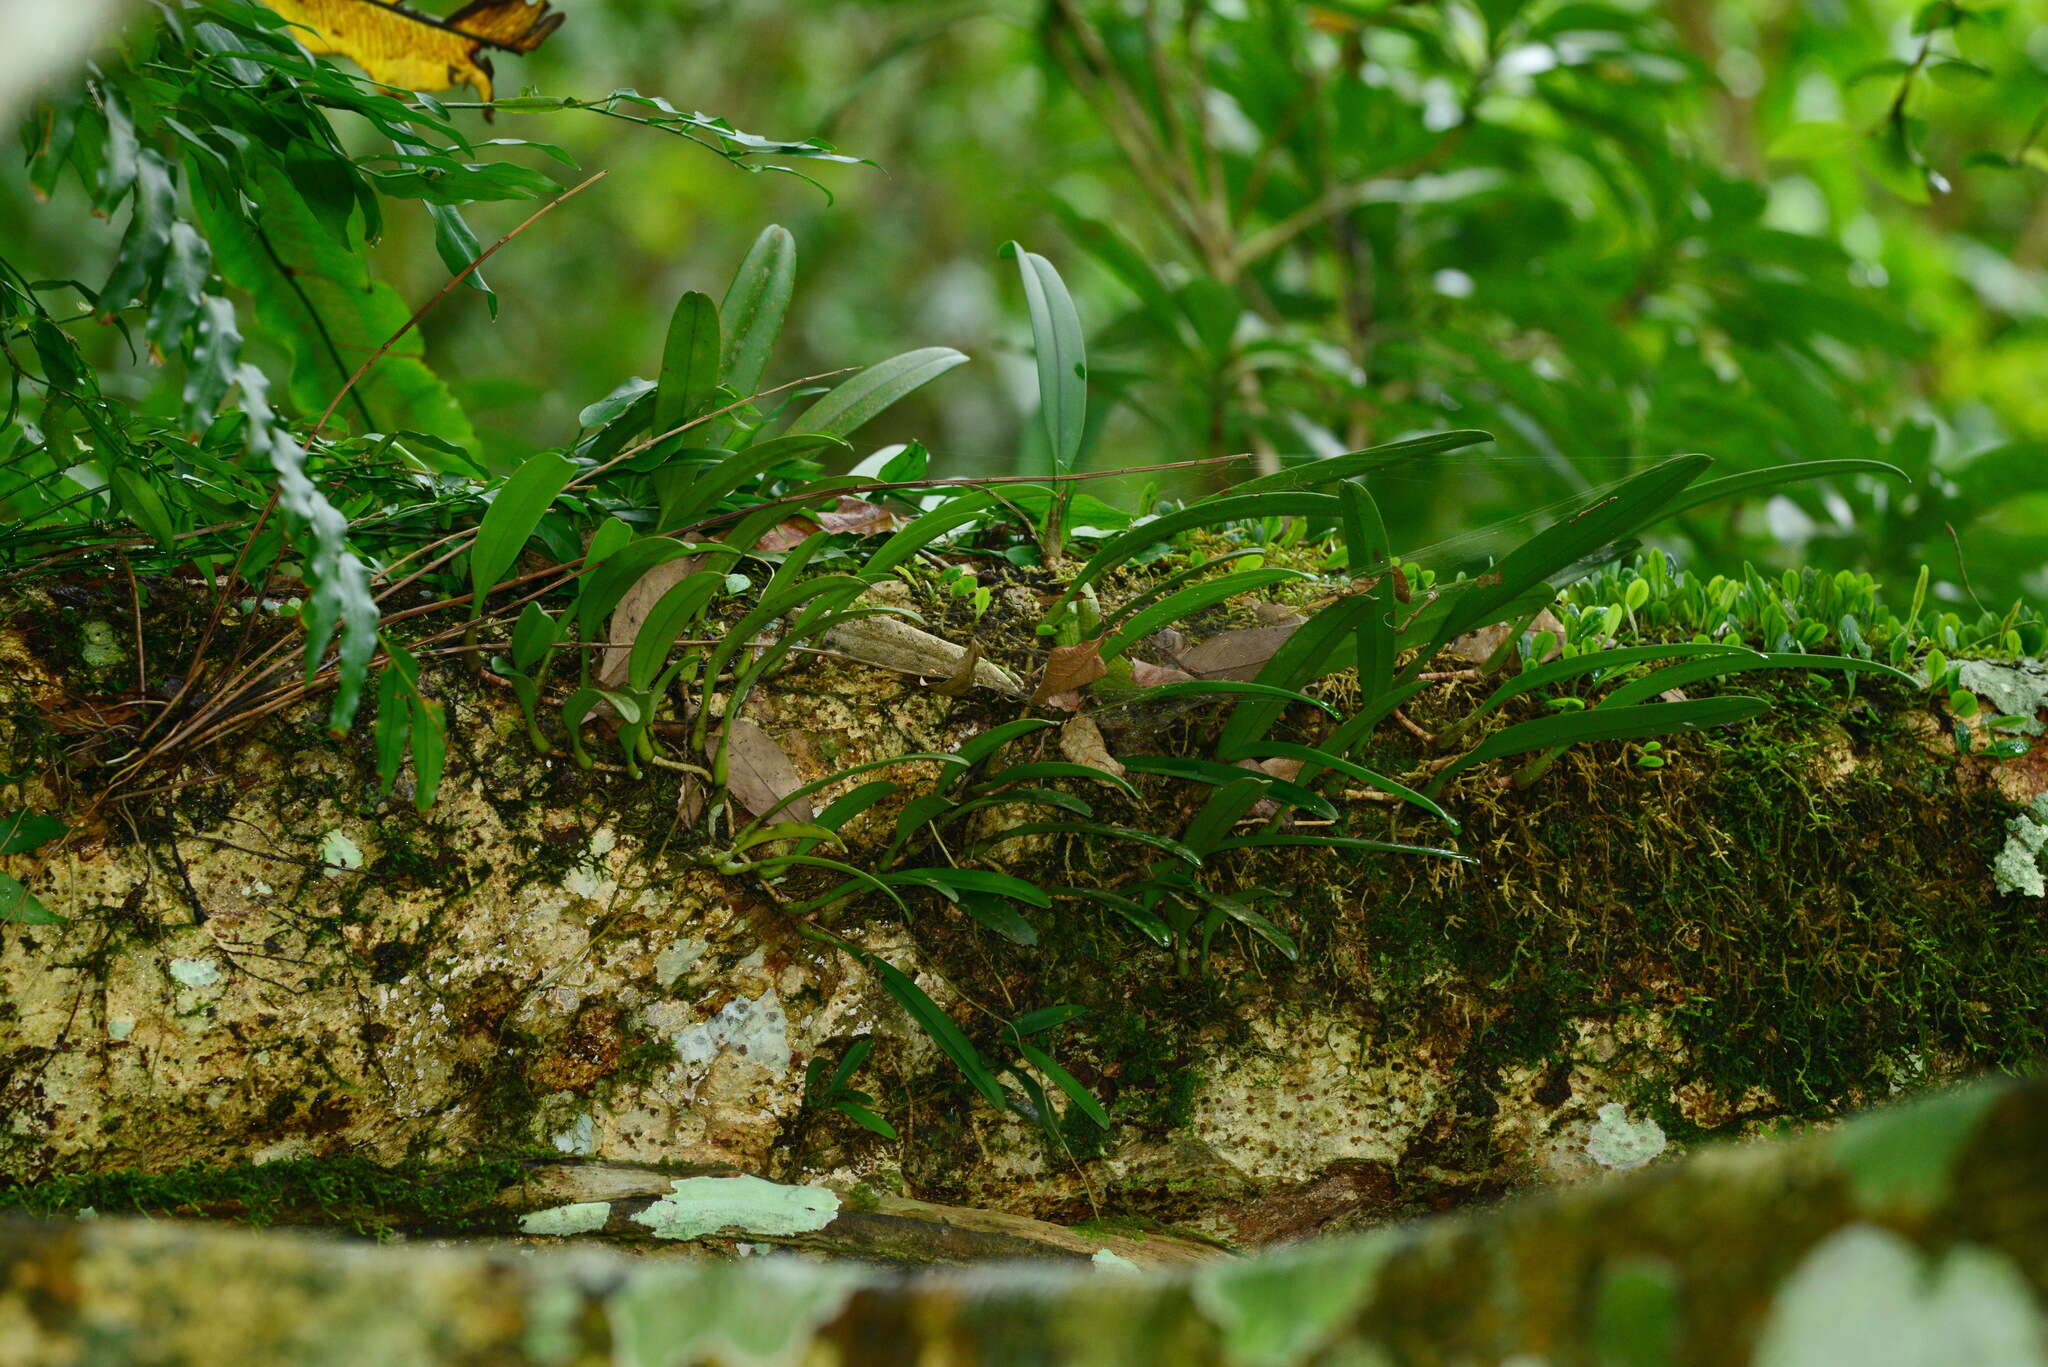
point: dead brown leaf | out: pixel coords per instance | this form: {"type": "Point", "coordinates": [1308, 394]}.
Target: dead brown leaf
{"type": "Point", "coordinates": [1070, 668]}
{"type": "Point", "coordinates": [419, 51]}
{"type": "Point", "coordinates": [1146, 675]}
{"type": "Point", "coordinates": [631, 614]}
{"type": "Point", "coordinates": [1081, 742]}
{"type": "Point", "coordinates": [962, 677]}
{"type": "Point", "coordinates": [849, 515]}
{"type": "Point", "coordinates": [1276, 614]}
{"type": "Point", "coordinates": [858, 515]}
{"type": "Point", "coordinates": [760, 775]}
{"type": "Point", "coordinates": [1477, 647]}
{"type": "Point", "coordinates": [1237, 655]}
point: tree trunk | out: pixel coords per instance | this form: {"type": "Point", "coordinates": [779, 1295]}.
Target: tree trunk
{"type": "Point", "coordinates": [1915, 1235]}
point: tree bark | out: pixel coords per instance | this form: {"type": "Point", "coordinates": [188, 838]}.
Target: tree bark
{"type": "Point", "coordinates": [1917, 1234]}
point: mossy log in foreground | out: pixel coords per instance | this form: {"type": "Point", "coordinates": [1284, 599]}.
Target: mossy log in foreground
{"type": "Point", "coordinates": [264, 960]}
{"type": "Point", "coordinates": [1913, 1236]}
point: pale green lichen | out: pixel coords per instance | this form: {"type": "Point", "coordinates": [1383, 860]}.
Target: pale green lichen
{"type": "Point", "coordinates": [2016, 690]}
{"type": "Point", "coordinates": [1867, 1296]}
{"type": "Point", "coordinates": [1110, 1261]}
{"type": "Point", "coordinates": [581, 1217]}
{"type": "Point", "coordinates": [2017, 867]}
{"type": "Point", "coordinates": [340, 852]}
{"type": "Point", "coordinates": [195, 972]}
{"type": "Point", "coordinates": [697, 1206]}
{"type": "Point", "coordinates": [120, 1027]}
{"type": "Point", "coordinates": [762, 1313]}
{"type": "Point", "coordinates": [1618, 1142]}
{"type": "Point", "coordinates": [100, 645]}
{"type": "Point", "coordinates": [579, 1138]}
{"type": "Point", "coordinates": [1276, 1309]}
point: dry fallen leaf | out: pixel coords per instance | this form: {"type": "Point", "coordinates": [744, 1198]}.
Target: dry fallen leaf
{"type": "Point", "coordinates": [1477, 647]}
{"type": "Point", "coordinates": [420, 51]}
{"type": "Point", "coordinates": [1276, 614]}
{"type": "Point", "coordinates": [632, 611]}
{"type": "Point", "coordinates": [858, 515]}
{"type": "Point", "coordinates": [894, 644]}
{"type": "Point", "coordinates": [962, 677]}
{"type": "Point", "coordinates": [760, 775]}
{"type": "Point", "coordinates": [1146, 675]}
{"type": "Point", "coordinates": [851, 515]}
{"type": "Point", "coordinates": [1236, 654]}
{"type": "Point", "coordinates": [1081, 742]}
{"type": "Point", "coordinates": [1070, 668]}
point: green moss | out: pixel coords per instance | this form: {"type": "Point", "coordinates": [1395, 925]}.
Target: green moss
{"type": "Point", "coordinates": [371, 1199]}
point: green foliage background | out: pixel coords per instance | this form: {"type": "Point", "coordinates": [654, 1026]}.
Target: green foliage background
{"type": "Point", "coordinates": [1652, 228]}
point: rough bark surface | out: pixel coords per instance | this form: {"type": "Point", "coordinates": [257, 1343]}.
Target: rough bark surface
{"type": "Point", "coordinates": [1917, 1234]}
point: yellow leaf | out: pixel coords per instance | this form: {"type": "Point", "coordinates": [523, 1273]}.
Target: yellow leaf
{"type": "Point", "coordinates": [415, 51]}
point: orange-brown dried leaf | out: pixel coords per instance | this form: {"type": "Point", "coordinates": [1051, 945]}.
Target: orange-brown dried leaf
{"type": "Point", "coordinates": [420, 51]}
{"type": "Point", "coordinates": [858, 515]}
{"type": "Point", "coordinates": [1070, 668]}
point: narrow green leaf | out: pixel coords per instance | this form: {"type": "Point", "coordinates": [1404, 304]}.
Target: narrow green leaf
{"type": "Point", "coordinates": [1189, 601]}
{"type": "Point", "coordinates": [1147, 921]}
{"type": "Point", "coordinates": [1064, 1080]}
{"type": "Point", "coordinates": [1061, 354]}
{"type": "Point", "coordinates": [1598, 723]}
{"type": "Point", "coordinates": [954, 881]}
{"type": "Point", "coordinates": [755, 303]}
{"type": "Point", "coordinates": [1329, 470]}
{"type": "Point", "coordinates": [689, 362]}
{"type": "Point", "coordinates": [1751, 481]}
{"type": "Point", "coordinates": [939, 1026]}
{"type": "Point", "coordinates": [512, 516]}
{"type": "Point", "coordinates": [143, 504]}
{"type": "Point", "coordinates": [924, 529]}
{"type": "Point", "coordinates": [19, 905]}
{"type": "Point", "coordinates": [1209, 771]}
{"type": "Point", "coordinates": [1041, 769]}
{"type": "Point", "coordinates": [23, 831]}
{"type": "Point", "coordinates": [1210, 513]}
{"type": "Point", "coordinates": [864, 395]}
{"type": "Point", "coordinates": [1252, 921]}
{"type": "Point", "coordinates": [1631, 504]}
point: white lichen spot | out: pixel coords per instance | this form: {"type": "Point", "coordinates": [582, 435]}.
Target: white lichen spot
{"type": "Point", "coordinates": [1867, 1296]}
{"type": "Point", "coordinates": [100, 645]}
{"type": "Point", "coordinates": [696, 1206]}
{"type": "Point", "coordinates": [1618, 1142]}
{"type": "Point", "coordinates": [678, 959]}
{"type": "Point", "coordinates": [757, 1029]}
{"type": "Point", "coordinates": [120, 1027]}
{"type": "Point", "coordinates": [2017, 867]}
{"type": "Point", "coordinates": [581, 1217]}
{"type": "Point", "coordinates": [195, 972]}
{"type": "Point", "coordinates": [340, 852]}
{"type": "Point", "coordinates": [1110, 1261]}
{"type": "Point", "coordinates": [579, 1138]}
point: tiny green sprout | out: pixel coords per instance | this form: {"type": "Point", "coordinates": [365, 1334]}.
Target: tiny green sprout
{"type": "Point", "coordinates": [1962, 702]}
{"type": "Point", "coordinates": [1567, 704]}
{"type": "Point", "coordinates": [1937, 669]}
{"type": "Point", "coordinates": [1651, 756]}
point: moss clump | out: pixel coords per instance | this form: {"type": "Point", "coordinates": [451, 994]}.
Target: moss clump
{"type": "Point", "coordinates": [363, 1196]}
